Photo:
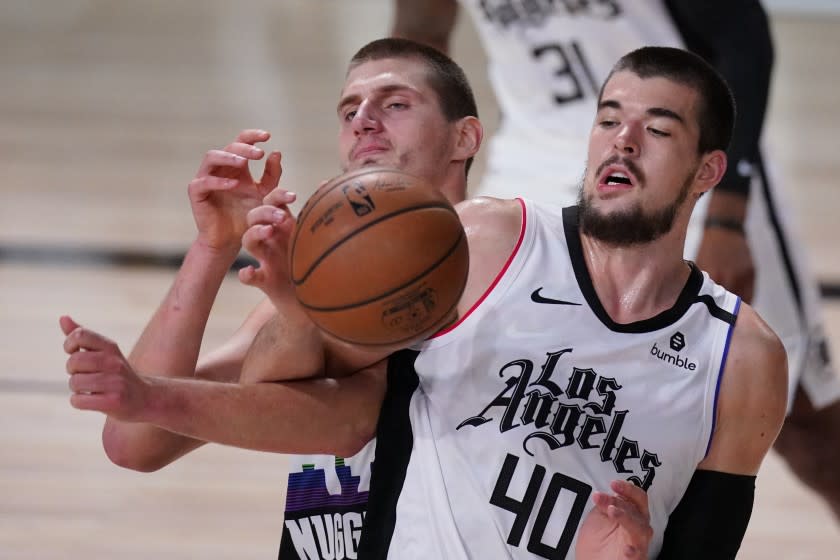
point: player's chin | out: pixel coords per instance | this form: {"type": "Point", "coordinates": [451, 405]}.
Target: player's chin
{"type": "Point", "coordinates": [614, 201]}
{"type": "Point", "coordinates": [612, 192]}
{"type": "Point", "coordinates": [370, 161]}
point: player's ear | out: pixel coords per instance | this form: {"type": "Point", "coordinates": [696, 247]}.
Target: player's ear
{"type": "Point", "coordinates": [469, 133]}
{"type": "Point", "coordinates": [711, 170]}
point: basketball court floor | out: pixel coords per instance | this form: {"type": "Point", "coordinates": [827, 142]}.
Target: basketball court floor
{"type": "Point", "coordinates": [106, 109]}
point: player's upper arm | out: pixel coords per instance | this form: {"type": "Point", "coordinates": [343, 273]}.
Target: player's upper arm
{"type": "Point", "coordinates": [427, 21]}
{"type": "Point", "coordinates": [752, 398]}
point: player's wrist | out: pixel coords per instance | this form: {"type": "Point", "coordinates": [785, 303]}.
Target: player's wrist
{"type": "Point", "coordinates": [226, 251]}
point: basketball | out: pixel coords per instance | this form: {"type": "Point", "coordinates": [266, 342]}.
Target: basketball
{"type": "Point", "coordinates": [379, 257]}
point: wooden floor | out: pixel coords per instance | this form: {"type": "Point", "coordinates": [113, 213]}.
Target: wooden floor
{"type": "Point", "coordinates": [105, 111]}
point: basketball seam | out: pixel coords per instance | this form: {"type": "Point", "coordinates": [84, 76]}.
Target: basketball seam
{"type": "Point", "coordinates": [355, 232]}
{"type": "Point", "coordinates": [394, 290]}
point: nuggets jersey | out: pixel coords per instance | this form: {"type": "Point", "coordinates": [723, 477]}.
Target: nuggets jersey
{"type": "Point", "coordinates": [546, 62]}
{"type": "Point", "coordinates": [326, 499]}
{"type": "Point", "coordinates": [535, 399]}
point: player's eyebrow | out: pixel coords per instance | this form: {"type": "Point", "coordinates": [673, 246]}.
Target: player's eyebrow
{"type": "Point", "coordinates": [652, 111]}
{"type": "Point", "coordinates": [355, 98]}
{"type": "Point", "coordinates": [667, 113]}
{"type": "Point", "coordinates": [609, 104]}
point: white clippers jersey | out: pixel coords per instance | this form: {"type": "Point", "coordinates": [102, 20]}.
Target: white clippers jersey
{"type": "Point", "coordinates": [535, 399]}
{"type": "Point", "coordinates": [546, 62]}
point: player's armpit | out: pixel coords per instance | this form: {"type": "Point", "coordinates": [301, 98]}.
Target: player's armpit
{"type": "Point", "coordinates": [752, 400]}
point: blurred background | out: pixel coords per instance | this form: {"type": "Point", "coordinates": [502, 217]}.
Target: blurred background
{"type": "Point", "coordinates": [106, 109]}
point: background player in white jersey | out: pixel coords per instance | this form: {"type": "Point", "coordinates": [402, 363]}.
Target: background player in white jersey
{"type": "Point", "coordinates": [748, 420]}
{"type": "Point", "coordinates": [545, 60]}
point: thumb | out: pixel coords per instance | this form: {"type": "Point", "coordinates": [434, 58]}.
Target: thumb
{"type": "Point", "coordinates": [67, 324]}
{"type": "Point", "coordinates": [249, 275]}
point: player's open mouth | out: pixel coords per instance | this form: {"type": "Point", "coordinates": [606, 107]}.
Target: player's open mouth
{"type": "Point", "coordinates": [616, 178]}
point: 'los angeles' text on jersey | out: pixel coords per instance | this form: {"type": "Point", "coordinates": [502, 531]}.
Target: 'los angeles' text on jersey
{"type": "Point", "coordinates": [581, 413]}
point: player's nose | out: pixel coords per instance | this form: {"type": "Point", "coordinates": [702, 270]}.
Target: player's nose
{"type": "Point", "coordinates": [626, 140]}
{"type": "Point", "coordinates": [366, 118]}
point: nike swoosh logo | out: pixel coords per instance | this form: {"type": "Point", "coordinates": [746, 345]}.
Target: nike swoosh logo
{"type": "Point", "coordinates": [537, 298]}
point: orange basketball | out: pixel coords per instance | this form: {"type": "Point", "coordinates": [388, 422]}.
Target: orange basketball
{"type": "Point", "coordinates": [379, 257]}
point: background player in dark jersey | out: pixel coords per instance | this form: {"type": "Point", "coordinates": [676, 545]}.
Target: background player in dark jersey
{"type": "Point", "coordinates": [744, 221]}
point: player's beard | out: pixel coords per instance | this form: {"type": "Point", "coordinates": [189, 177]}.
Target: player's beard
{"type": "Point", "coordinates": [631, 226]}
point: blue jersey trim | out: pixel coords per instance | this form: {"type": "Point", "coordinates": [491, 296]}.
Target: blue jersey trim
{"type": "Point", "coordinates": [720, 374]}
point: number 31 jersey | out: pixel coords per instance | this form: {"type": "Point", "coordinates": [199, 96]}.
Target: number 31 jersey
{"type": "Point", "coordinates": [534, 400]}
{"type": "Point", "coordinates": [546, 62]}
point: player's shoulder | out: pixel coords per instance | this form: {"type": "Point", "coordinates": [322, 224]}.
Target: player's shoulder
{"type": "Point", "coordinates": [489, 207]}
{"type": "Point", "coordinates": [484, 216]}
{"type": "Point", "coordinates": [490, 221]}
{"type": "Point", "coordinates": [754, 342]}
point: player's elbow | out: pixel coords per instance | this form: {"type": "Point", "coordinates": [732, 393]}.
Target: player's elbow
{"type": "Point", "coordinates": [125, 458]}
{"type": "Point", "coordinates": [123, 454]}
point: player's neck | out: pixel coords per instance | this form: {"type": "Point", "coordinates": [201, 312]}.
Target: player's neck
{"type": "Point", "coordinates": [639, 281]}
{"type": "Point", "coordinates": [454, 190]}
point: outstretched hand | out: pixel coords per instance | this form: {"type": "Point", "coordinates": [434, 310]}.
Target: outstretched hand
{"type": "Point", "coordinates": [100, 376]}
{"type": "Point", "coordinates": [618, 527]}
{"type": "Point", "coordinates": [223, 190]}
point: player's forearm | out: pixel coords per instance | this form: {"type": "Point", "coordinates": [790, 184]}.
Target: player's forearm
{"type": "Point", "coordinates": [171, 340]}
{"type": "Point", "coordinates": [169, 347]}
{"type": "Point", "coordinates": [332, 416]}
